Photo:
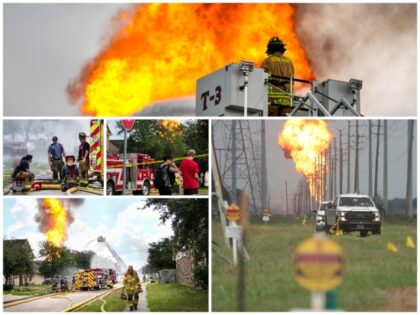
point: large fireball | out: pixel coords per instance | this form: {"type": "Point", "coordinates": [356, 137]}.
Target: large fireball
{"type": "Point", "coordinates": [305, 141]}
{"type": "Point", "coordinates": [159, 50]}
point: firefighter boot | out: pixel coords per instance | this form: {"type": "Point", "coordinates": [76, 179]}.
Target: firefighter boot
{"type": "Point", "coordinates": [131, 308]}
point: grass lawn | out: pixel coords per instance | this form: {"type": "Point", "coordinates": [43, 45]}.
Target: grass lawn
{"type": "Point", "coordinates": [372, 271]}
{"type": "Point", "coordinates": [114, 303]}
{"type": "Point", "coordinates": [175, 298]}
{"type": "Point", "coordinates": [29, 290]}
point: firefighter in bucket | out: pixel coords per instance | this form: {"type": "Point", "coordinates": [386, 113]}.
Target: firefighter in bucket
{"type": "Point", "coordinates": [282, 71]}
{"type": "Point", "coordinates": [132, 288]}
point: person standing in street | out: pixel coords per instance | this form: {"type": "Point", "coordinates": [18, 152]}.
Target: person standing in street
{"type": "Point", "coordinates": [189, 170]}
{"type": "Point", "coordinates": [167, 173]}
{"type": "Point", "coordinates": [132, 287]}
{"type": "Point", "coordinates": [84, 155]}
{"type": "Point", "coordinates": [55, 158]}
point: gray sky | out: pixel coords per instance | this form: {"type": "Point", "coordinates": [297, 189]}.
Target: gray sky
{"type": "Point", "coordinates": [46, 45]}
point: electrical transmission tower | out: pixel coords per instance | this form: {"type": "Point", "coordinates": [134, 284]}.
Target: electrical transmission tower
{"type": "Point", "coordinates": [238, 147]}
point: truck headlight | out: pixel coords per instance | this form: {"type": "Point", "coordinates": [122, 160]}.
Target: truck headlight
{"type": "Point", "coordinates": [377, 216]}
{"type": "Point", "coordinates": [342, 216]}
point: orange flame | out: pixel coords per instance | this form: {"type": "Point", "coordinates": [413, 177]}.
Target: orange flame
{"type": "Point", "coordinates": [159, 50]}
{"type": "Point", "coordinates": [305, 141]}
{"type": "Point", "coordinates": [169, 129]}
{"type": "Point", "coordinates": [59, 219]}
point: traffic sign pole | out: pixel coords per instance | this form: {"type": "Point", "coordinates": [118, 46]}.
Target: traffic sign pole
{"type": "Point", "coordinates": [127, 125]}
{"type": "Point", "coordinates": [124, 161]}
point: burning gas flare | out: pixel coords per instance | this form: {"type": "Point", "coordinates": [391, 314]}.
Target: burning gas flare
{"type": "Point", "coordinates": [159, 50]}
{"type": "Point", "coordinates": [54, 218]}
{"type": "Point", "coordinates": [169, 129]}
{"type": "Point", "coordinates": [305, 141]}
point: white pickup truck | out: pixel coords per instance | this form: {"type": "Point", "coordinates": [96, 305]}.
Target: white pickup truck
{"type": "Point", "coordinates": [353, 212]}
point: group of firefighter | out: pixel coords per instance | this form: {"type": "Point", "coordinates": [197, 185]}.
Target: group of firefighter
{"type": "Point", "coordinates": [62, 171]}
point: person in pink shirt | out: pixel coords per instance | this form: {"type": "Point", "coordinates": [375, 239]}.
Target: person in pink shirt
{"type": "Point", "coordinates": [189, 171]}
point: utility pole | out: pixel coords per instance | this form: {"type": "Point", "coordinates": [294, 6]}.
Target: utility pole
{"type": "Point", "coordinates": [356, 161]}
{"type": "Point", "coordinates": [263, 167]}
{"type": "Point", "coordinates": [287, 202]}
{"type": "Point", "coordinates": [409, 191]}
{"type": "Point", "coordinates": [233, 196]}
{"type": "Point", "coordinates": [385, 192]}
{"type": "Point", "coordinates": [335, 169]}
{"type": "Point", "coordinates": [370, 158]}
{"type": "Point", "coordinates": [348, 157]}
{"type": "Point", "coordinates": [378, 133]}
{"type": "Point", "coordinates": [341, 165]}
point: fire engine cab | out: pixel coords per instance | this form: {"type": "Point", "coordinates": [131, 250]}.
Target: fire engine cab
{"type": "Point", "coordinates": [139, 173]}
{"type": "Point", "coordinates": [94, 279]}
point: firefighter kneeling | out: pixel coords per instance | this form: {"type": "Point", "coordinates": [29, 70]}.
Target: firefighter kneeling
{"type": "Point", "coordinates": [132, 287]}
{"type": "Point", "coordinates": [70, 173]}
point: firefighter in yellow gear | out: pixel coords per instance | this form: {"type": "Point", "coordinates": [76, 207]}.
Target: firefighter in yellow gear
{"type": "Point", "coordinates": [278, 66]}
{"type": "Point", "coordinates": [132, 287]}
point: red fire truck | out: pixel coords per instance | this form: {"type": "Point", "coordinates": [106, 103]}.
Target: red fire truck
{"type": "Point", "coordinates": [139, 173]}
{"type": "Point", "coordinates": [94, 279]}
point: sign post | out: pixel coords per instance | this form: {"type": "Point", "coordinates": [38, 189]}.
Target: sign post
{"type": "Point", "coordinates": [233, 230]}
{"type": "Point", "coordinates": [266, 215]}
{"type": "Point", "coordinates": [127, 124]}
{"type": "Point", "coordinates": [318, 267]}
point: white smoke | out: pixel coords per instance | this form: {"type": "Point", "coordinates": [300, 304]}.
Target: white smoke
{"type": "Point", "coordinates": [376, 43]}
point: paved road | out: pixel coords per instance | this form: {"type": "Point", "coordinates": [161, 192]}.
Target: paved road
{"type": "Point", "coordinates": [142, 306]}
{"type": "Point", "coordinates": [55, 303]}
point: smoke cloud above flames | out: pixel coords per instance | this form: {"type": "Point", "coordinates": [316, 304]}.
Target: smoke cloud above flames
{"type": "Point", "coordinates": [54, 216]}
{"type": "Point", "coordinates": [376, 43]}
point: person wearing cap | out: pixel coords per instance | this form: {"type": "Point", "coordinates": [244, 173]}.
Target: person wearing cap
{"type": "Point", "coordinates": [83, 158]}
{"type": "Point", "coordinates": [189, 170]}
{"type": "Point", "coordinates": [70, 170]}
{"type": "Point", "coordinates": [55, 158]}
{"type": "Point", "coordinates": [278, 65]}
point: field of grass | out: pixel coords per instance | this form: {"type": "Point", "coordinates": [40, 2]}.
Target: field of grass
{"type": "Point", "coordinates": [175, 298]}
{"type": "Point", "coordinates": [113, 303]}
{"type": "Point", "coordinates": [371, 270]}
{"type": "Point", "coordinates": [29, 290]}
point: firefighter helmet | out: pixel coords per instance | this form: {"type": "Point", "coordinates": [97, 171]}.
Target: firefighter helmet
{"type": "Point", "coordinates": [275, 44]}
{"type": "Point", "coordinates": [82, 135]}
{"type": "Point", "coordinates": [70, 157]}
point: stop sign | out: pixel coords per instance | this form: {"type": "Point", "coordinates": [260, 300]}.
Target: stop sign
{"type": "Point", "coordinates": [127, 124]}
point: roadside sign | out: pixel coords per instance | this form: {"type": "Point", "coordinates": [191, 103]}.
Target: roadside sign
{"type": "Point", "coordinates": [234, 232]}
{"type": "Point", "coordinates": [128, 124]}
{"type": "Point", "coordinates": [266, 218]}
{"type": "Point", "coordinates": [319, 264]}
{"type": "Point", "coordinates": [233, 213]}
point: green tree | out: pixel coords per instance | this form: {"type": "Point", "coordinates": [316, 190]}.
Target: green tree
{"type": "Point", "coordinates": [189, 221]}
{"type": "Point", "coordinates": [161, 255]}
{"type": "Point", "coordinates": [17, 259]}
{"type": "Point", "coordinates": [82, 258]}
{"type": "Point", "coordinates": [56, 259]}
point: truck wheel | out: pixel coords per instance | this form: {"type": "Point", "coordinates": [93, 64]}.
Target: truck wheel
{"type": "Point", "coordinates": [110, 189]}
{"type": "Point", "coordinates": [363, 233]}
{"type": "Point", "coordinates": [146, 189]}
{"type": "Point", "coordinates": [327, 229]}
{"type": "Point", "coordinates": [377, 231]}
